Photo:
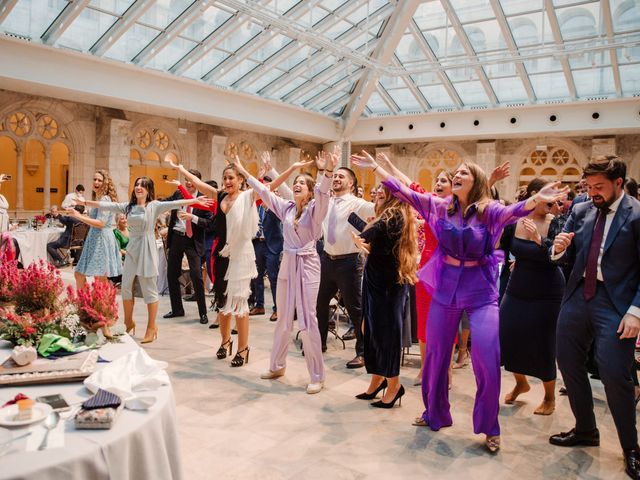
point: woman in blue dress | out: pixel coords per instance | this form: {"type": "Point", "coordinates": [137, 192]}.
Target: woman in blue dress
{"type": "Point", "coordinates": [100, 255]}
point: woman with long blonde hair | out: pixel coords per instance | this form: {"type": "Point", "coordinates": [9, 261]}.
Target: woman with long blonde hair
{"type": "Point", "coordinates": [100, 256]}
{"type": "Point", "coordinates": [462, 276]}
{"type": "Point", "coordinates": [390, 243]}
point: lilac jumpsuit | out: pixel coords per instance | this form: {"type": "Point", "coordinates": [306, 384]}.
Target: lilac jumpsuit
{"type": "Point", "coordinates": [456, 289]}
{"type": "Point", "coordinates": [299, 275]}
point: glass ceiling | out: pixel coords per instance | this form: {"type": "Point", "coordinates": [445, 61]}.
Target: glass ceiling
{"type": "Point", "coordinates": [454, 54]}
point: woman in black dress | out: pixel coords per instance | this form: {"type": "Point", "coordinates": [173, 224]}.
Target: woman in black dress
{"type": "Point", "coordinates": [390, 242]}
{"type": "Point", "coordinates": [530, 306]}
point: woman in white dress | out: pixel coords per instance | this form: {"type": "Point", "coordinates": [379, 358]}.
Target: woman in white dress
{"type": "Point", "coordinates": [237, 210]}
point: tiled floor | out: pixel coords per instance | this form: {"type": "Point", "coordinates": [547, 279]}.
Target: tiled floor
{"type": "Point", "coordinates": [234, 425]}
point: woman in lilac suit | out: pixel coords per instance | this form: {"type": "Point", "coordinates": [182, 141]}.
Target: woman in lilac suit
{"type": "Point", "coordinates": [299, 276]}
{"type": "Point", "coordinates": [462, 276]}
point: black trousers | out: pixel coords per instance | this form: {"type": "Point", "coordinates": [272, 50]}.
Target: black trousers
{"type": "Point", "coordinates": [580, 323]}
{"type": "Point", "coordinates": [53, 248]}
{"type": "Point", "coordinates": [183, 245]}
{"type": "Point", "coordinates": [344, 274]}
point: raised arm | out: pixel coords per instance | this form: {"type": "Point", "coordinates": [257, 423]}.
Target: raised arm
{"type": "Point", "coordinates": [285, 175]}
{"type": "Point", "coordinates": [101, 220]}
{"type": "Point", "coordinates": [283, 189]}
{"type": "Point", "coordinates": [200, 185]}
{"type": "Point", "coordinates": [385, 163]}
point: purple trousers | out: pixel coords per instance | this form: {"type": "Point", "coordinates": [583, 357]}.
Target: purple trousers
{"type": "Point", "coordinates": [442, 326]}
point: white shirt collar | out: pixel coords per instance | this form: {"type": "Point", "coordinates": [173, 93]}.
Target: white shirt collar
{"type": "Point", "coordinates": [614, 206]}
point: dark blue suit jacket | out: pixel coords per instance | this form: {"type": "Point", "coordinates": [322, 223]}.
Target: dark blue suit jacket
{"type": "Point", "coordinates": [272, 230]}
{"type": "Point", "coordinates": [621, 258]}
{"type": "Point", "coordinates": [68, 223]}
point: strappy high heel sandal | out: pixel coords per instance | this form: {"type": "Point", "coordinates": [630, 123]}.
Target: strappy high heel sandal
{"type": "Point", "coordinates": [222, 351]}
{"type": "Point", "coordinates": [239, 360]}
{"type": "Point", "coordinates": [493, 444]}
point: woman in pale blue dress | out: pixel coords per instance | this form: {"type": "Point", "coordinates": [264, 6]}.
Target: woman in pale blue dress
{"type": "Point", "coordinates": [141, 258]}
{"type": "Point", "coordinates": [100, 255]}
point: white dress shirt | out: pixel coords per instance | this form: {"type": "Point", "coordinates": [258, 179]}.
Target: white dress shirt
{"type": "Point", "coordinates": [343, 206]}
{"type": "Point", "coordinates": [613, 208]}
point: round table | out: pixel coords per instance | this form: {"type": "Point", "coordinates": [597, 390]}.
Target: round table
{"type": "Point", "coordinates": [33, 243]}
{"type": "Point", "coordinates": [141, 444]}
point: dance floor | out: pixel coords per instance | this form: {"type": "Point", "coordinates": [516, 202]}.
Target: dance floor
{"type": "Point", "coordinates": [234, 425]}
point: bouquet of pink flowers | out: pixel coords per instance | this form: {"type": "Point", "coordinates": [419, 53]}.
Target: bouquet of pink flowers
{"type": "Point", "coordinates": [27, 329]}
{"type": "Point", "coordinates": [41, 219]}
{"type": "Point", "coordinates": [9, 278]}
{"type": "Point", "coordinates": [39, 289]}
{"type": "Point", "coordinates": [95, 304]}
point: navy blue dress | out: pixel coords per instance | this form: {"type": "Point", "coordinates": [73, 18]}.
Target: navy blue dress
{"type": "Point", "coordinates": [529, 312]}
{"type": "Point", "coordinates": [383, 299]}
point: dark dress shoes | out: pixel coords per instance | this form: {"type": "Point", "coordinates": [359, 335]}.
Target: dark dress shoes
{"type": "Point", "coordinates": [632, 463]}
{"type": "Point", "coordinates": [349, 334]}
{"type": "Point", "coordinates": [190, 298]}
{"type": "Point", "coordinates": [173, 315]}
{"type": "Point", "coordinates": [274, 317]}
{"type": "Point", "coordinates": [204, 319]}
{"type": "Point", "coordinates": [357, 362]}
{"type": "Point", "coordinates": [573, 438]}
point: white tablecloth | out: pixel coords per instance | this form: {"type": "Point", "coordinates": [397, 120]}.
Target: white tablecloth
{"type": "Point", "coordinates": [33, 243]}
{"type": "Point", "coordinates": [140, 445]}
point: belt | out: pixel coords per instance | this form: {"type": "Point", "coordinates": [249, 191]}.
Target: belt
{"type": "Point", "coordinates": [449, 260]}
{"type": "Point", "coordinates": [181, 233]}
{"type": "Point", "coordinates": [340, 257]}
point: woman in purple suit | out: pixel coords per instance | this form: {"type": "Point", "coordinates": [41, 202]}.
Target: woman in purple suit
{"type": "Point", "coordinates": [462, 276]}
{"type": "Point", "coordinates": [299, 275]}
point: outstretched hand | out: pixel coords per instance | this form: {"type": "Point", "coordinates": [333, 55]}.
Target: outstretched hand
{"type": "Point", "coordinates": [174, 182]}
{"type": "Point", "coordinates": [172, 164]}
{"type": "Point", "coordinates": [302, 164]}
{"type": "Point", "coordinates": [500, 173]}
{"type": "Point", "coordinates": [383, 160]}
{"type": "Point", "coordinates": [321, 160]}
{"type": "Point", "coordinates": [205, 201]}
{"type": "Point", "coordinates": [365, 160]}
{"type": "Point", "coordinates": [238, 164]}
{"type": "Point", "coordinates": [551, 192]}
{"type": "Point", "coordinates": [532, 231]}
{"type": "Point", "coordinates": [360, 243]}
{"type": "Point", "coordinates": [266, 161]}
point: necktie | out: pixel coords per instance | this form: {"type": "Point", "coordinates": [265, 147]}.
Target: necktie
{"type": "Point", "coordinates": [333, 221]}
{"type": "Point", "coordinates": [188, 224]}
{"type": "Point", "coordinates": [591, 272]}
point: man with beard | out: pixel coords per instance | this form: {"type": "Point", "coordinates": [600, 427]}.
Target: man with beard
{"type": "Point", "coordinates": [341, 263]}
{"type": "Point", "coordinates": [602, 305]}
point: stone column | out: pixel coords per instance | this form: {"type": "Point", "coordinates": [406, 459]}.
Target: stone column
{"type": "Point", "coordinates": [19, 177]}
{"type": "Point", "coordinates": [218, 144]}
{"type": "Point", "coordinates": [603, 146]}
{"type": "Point", "coordinates": [204, 154]}
{"type": "Point", "coordinates": [118, 155]}
{"type": "Point", "coordinates": [47, 177]}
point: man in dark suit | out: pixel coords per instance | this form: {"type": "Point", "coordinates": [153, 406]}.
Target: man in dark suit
{"type": "Point", "coordinates": [601, 305]}
{"type": "Point", "coordinates": [186, 237]}
{"type": "Point", "coordinates": [63, 240]}
{"type": "Point", "coordinates": [268, 245]}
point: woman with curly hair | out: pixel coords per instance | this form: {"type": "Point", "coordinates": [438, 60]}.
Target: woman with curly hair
{"type": "Point", "coordinates": [390, 243]}
{"type": "Point", "coordinates": [100, 256]}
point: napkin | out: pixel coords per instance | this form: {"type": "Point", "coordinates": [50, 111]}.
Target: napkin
{"type": "Point", "coordinates": [132, 373]}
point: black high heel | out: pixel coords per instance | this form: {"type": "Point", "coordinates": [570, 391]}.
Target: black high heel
{"type": "Point", "coordinates": [239, 360]}
{"type": "Point", "coordinates": [372, 395]}
{"type": "Point", "coordinates": [222, 351]}
{"type": "Point", "coordinates": [398, 397]}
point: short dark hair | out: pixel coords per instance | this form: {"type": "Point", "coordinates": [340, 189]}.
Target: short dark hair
{"type": "Point", "coordinates": [212, 183]}
{"type": "Point", "coordinates": [195, 172]}
{"type": "Point", "coordinates": [608, 165]}
{"type": "Point", "coordinates": [352, 174]}
{"type": "Point", "coordinates": [571, 195]}
{"type": "Point", "coordinates": [632, 186]}
{"type": "Point", "coordinates": [79, 188]}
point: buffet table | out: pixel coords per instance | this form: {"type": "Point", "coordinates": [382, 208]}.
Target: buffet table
{"type": "Point", "coordinates": [33, 243]}
{"type": "Point", "coordinates": [140, 445]}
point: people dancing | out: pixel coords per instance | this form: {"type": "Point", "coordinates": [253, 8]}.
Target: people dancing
{"type": "Point", "coordinates": [141, 260]}
{"type": "Point", "coordinates": [391, 247]}
{"type": "Point", "coordinates": [529, 309]}
{"type": "Point", "coordinates": [299, 275]}
{"type": "Point", "coordinates": [462, 275]}
{"type": "Point", "coordinates": [100, 256]}
{"type": "Point", "coordinates": [234, 266]}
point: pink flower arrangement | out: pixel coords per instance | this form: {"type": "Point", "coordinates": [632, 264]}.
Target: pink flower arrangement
{"type": "Point", "coordinates": [9, 278]}
{"type": "Point", "coordinates": [40, 219]}
{"type": "Point", "coordinates": [39, 289]}
{"type": "Point", "coordinates": [26, 328]}
{"type": "Point", "coordinates": [95, 303]}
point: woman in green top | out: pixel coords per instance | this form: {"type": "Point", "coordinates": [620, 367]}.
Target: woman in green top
{"type": "Point", "coordinates": [122, 234]}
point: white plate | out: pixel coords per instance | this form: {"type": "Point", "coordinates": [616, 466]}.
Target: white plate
{"type": "Point", "coordinates": [8, 415]}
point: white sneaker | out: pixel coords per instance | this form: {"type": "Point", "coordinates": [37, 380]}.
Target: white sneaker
{"type": "Point", "coordinates": [271, 374]}
{"type": "Point", "coordinates": [314, 387]}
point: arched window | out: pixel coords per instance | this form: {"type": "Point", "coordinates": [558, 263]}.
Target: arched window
{"type": "Point", "coordinates": [35, 151]}
{"type": "Point", "coordinates": [151, 146]}
{"type": "Point", "coordinates": [553, 164]}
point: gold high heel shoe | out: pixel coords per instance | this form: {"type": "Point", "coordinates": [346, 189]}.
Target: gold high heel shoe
{"type": "Point", "coordinates": [150, 336]}
{"type": "Point", "coordinates": [131, 329]}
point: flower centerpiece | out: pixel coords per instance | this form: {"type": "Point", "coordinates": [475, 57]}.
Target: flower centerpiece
{"type": "Point", "coordinates": [38, 221]}
{"type": "Point", "coordinates": [95, 304]}
{"type": "Point", "coordinates": [9, 278]}
{"type": "Point", "coordinates": [37, 308]}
